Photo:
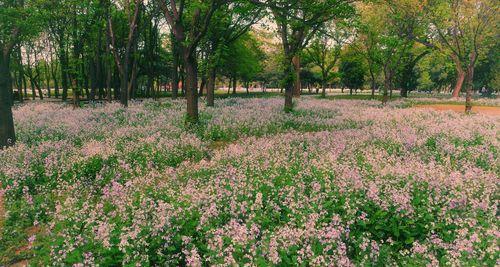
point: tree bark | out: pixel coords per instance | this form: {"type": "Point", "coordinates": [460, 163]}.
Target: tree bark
{"type": "Point", "coordinates": [460, 76]}
{"type": "Point", "coordinates": [63, 58]}
{"type": "Point", "coordinates": [7, 133]}
{"type": "Point", "coordinates": [37, 76]}
{"type": "Point", "coordinates": [22, 79]}
{"type": "Point", "coordinates": [297, 83]}
{"type": "Point", "coordinates": [387, 87]}
{"type": "Point", "coordinates": [212, 72]}
{"type": "Point", "coordinates": [469, 84]}
{"type": "Point", "coordinates": [175, 70]}
{"type": "Point", "coordinates": [93, 78]}
{"type": "Point", "coordinates": [289, 85]}
{"type": "Point", "coordinates": [47, 77]}
{"type": "Point", "coordinates": [372, 76]}
{"type": "Point", "coordinates": [191, 67]}
{"type": "Point", "coordinates": [459, 83]}
{"type": "Point", "coordinates": [323, 88]}
{"type": "Point", "coordinates": [235, 81]}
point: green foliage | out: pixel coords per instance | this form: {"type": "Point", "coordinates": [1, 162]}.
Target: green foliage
{"type": "Point", "coordinates": [243, 58]}
{"type": "Point", "coordinates": [352, 71]}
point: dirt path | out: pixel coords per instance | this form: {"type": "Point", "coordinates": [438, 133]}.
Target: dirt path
{"type": "Point", "coordinates": [493, 111]}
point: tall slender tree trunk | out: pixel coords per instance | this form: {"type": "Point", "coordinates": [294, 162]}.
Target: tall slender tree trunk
{"type": "Point", "coordinates": [289, 84]}
{"type": "Point", "coordinates": [38, 76]}
{"type": "Point", "coordinates": [175, 70]}
{"type": "Point", "coordinates": [98, 65]}
{"type": "Point", "coordinates": [297, 83]}
{"type": "Point", "coordinates": [63, 58]}
{"type": "Point", "coordinates": [372, 78]}
{"type": "Point", "coordinates": [22, 79]}
{"type": "Point", "coordinates": [124, 82]}
{"type": "Point", "coordinates": [235, 83]}
{"type": "Point", "coordinates": [76, 94]}
{"type": "Point", "coordinates": [323, 88]}
{"type": "Point", "coordinates": [460, 76]}
{"type": "Point", "coordinates": [93, 79]}
{"type": "Point", "coordinates": [47, 77]}
{"type": "Point", "coordinates": [459, 83]}
{"type": "Point", "coordinates": [109, 96]}
{"type": "Point", "coordinates": [108, 65]}
{"type": "Point", "coordinates": [203, 84]}
{"type": "Point", "coordinates": [387, 88]}
{"type": "Point", "coordinates": [7, 133]}
{"type": "Point", "coordinates": [191, 67]}
{"type": "Point", "coordinates": [212, 73]}
{"type": "Point", "coordinates": [470, 83]}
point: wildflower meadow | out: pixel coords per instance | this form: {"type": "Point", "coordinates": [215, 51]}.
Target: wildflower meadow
{"type": "Point", "coordinates": [333, 183]}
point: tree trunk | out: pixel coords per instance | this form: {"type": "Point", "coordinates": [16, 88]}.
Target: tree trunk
{"type": "Point", "coordinates": [297, 83]}
{"type": "Point", "coordinates": [76, 94]}
{"type": "Point", "coordinates": [203, 84]}
{"type": "Point", "coordinates": [124, 84]}
{"type": "Point", "coordinates": [37, 76]}
{"type": "Point", "coordinates": [212, 72]}
{"type": "Point", "coordinates": [387, 87]}
{"type": "Point", "coordinates": [323, 89]}
{"type": "Point", "coordinates": [460, 76]}
{"type": "Point", "coordinates": [108, 82]}
{"type": "Point", "coordinates": [404, 92]}
{"type": "Point", "coordinates": [372, 76]}
{"type": "Point", "coordinates": [289, 86]}
{"type": "Point", "coordinates": [470, 83]}
{"type": "Point", "coordinates": [63, 58]}
{"type": "Point", "coordinates": [191, 87]}
{"type": "Point", "coordinates": [47, 77]}
{"type": "Point", "coordinates": [7, 133]}
{"type": "Point", "coordinates": [469, 91]}
{"type": "Point", "coordinates": [175, 70]}
{"type": "Point", "coordinates": [22, 79]}
{"type": "Point", "coordinates": [235, 81]}
{"type": "Point", "coordinates": [93, 79]}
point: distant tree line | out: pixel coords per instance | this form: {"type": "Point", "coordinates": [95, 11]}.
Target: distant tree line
{"type": "Point", "coordinates": [118, 50]}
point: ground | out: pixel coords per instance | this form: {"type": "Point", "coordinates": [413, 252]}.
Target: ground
{"type": "Point", "coordinates": [336, 182]}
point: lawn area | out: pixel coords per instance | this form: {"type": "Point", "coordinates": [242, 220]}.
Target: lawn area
{"type": "Point", "coordinates": [335, 182]}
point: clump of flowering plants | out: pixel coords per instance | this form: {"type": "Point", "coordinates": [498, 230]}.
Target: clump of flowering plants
{"type": "Point", "coordinates": [333, 183]}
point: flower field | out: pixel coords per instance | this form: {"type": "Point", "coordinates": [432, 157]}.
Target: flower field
{"type": "Point", "coordinates": [334, 183]}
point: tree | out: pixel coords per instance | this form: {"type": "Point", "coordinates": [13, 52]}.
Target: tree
{"type": "Point", "coordinates": [408, 76]}
{"type": "Point", "coordinates": [325, 50]}
{"type": "Point", "coordinates": [368, 45]}
{"type": "Point", "coordinates": [461, 29]}
{"type": "Point", "coordinates": [297, 22]}
{"type": "Point", "coordinates": [229, 24]}
{"type": "Point", "coordinates": [352, 71]}
{"type": "Point", "coordinates": [436, 72]}
{"type": "Point", "coordinates": [18, 21]}
{"type": "Point", "coordinates": [387, 31]}
{"type": "Point", "coordinates": [243, 59]}
{"type": "Point", "coordinates": [122, 60]}
{"type": "Point", "coordinates": [488, 70]}
{"type": "Point", "coordinates": [189, 22]}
